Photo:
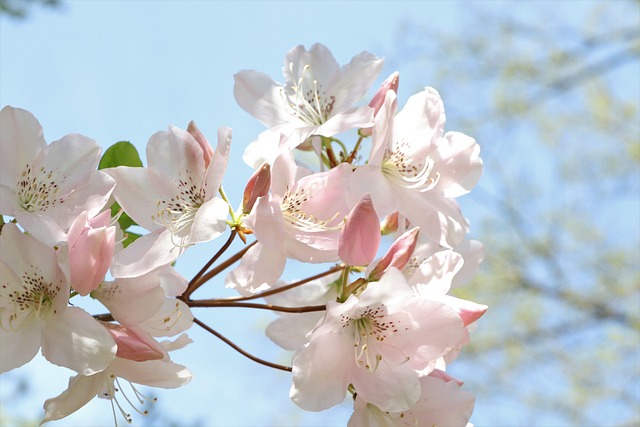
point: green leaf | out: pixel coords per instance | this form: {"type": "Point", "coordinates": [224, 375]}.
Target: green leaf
{"type": "Point", "coordinates": [121, 153]}
{"type": "Point", "coordinates": [130, 238]}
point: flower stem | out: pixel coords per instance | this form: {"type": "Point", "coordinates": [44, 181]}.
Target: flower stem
{"type": "Point", "coordinates": [195, 283]}
{"type": "Point", "coordinates": [354, 152]}
{"type": "Point", "coordinates": [223, 265]}
{"type": "Point", "coordinates": [285, 288]}
{"type": "Point", "coordinates": [238, 349]}
{"type": "Point", "coordinates": [218, 303]}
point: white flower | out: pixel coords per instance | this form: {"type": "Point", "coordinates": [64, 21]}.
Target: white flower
{"type": "Point", "coordinates": [175, 198]}
{"type": "Point", "coordinates": [45, 187]}
{"type": "Point", "coordinates": [33, 311]}
{"type": "Point", "coordinates": [317, 96]}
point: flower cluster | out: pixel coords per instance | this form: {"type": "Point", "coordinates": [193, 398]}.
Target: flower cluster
{"type": "Point", "coordinates": [380, 328]}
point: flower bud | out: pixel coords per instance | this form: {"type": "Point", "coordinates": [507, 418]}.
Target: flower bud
{"type": "Point", "coordinates": [207, 150]}
{"type": "Point", "coordinates": [91, 245]}
{"type": "Point", "coordinates": [134, 345]}
{"type": "Point", "coordinates": [398, 254]}
{"type": "Point", "coordinates": [391, 83]}
{"type": "Point", "coordinates": [389, 224]}
{"type": "Point", "coordinates": [257, 186]}
{"type": "Point", "coordinates": [360, 236]}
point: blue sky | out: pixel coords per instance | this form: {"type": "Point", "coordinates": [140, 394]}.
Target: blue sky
{"type": "Point", "coordinates": [122, 70]}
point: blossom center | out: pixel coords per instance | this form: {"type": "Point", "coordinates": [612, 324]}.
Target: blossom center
{"type": "Point", "coordinates": [370, 327]}
{"type": "Point", "coordinates": [178, 213]}
{"type": "Point", "coordinates": [399, 168]}
{"type": "Point", "coordinates": [291, 208]}
{"type": "Point", "coordinates": [34, 298]}
{"type": "Point", "coordinates": [38, 191]}
{"type": "Point", "coordinates": [308, 101]}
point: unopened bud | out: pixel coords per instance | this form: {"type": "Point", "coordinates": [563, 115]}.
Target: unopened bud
{"type": "Point", "coordinates": [134, 345]}
{"type": "Point", "coordinates": [360, 236]}
{"type": "Point", "coordinates": [257, 186]}
{"type": "Point", "coordinates": [391, 83]}
{"type": "Point", "coordinates": [398, 254]}
{"type": "Point", "coordinates": [389, 224]}
{"type": "Point", "coordinates": [207, 150]}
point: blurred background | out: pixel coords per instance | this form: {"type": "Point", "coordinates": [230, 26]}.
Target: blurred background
{"type": "Point", "coordinates": [550, 90]}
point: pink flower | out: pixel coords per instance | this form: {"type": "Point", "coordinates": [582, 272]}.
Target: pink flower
{"type": "Point", "coordinates": [301, 218]}
{"type": "Point", "coordinates": [360, 236]}
{"type": "Point", "coordinates": [375, 342]}
{"type": "Point", "coordinates": [441, 403]}
{"type": "Point", "coordinates": [416, 169]}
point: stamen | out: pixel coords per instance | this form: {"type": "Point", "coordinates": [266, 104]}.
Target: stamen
{"type": "Point", "coordinates": [407, 175]}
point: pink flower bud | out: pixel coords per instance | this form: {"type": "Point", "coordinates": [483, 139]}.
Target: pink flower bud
{"type": "Point", "coordinates": [90, 251]}
{"type": "Point", "coordinates": [390, 224]}
{"type": "Point", "coordinates": [377, 101]}
{"type": "Point", "coordinates": [207, 150]}
{"type": "Point", "coordinates": [360, 236]}
{"type": "Point", "coordinates": [134, 344]}
{"type": "Point", "coordinates": [391, 83]}
{"type": "Point", "coordinates": [398, 254]}
{"type": "Point", "coordinates": [469, 311]}
{"type": "Point", "coordinates": [257, 186]}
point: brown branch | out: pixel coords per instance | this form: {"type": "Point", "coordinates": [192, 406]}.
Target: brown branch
{"type": "Point", "coordinates": [239, 350]}
{"type": "Point", "coordinates": [284, 288]}
{"type": "Point", "coordinates": [219, 303]}
{"type": "Point", "coordinates": [195, 283]}
{"type": "Point", "coordinates": [225, 264]}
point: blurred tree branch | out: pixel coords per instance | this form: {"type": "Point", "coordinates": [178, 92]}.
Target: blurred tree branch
{"type": "Point", "coordinates": [555, 107]}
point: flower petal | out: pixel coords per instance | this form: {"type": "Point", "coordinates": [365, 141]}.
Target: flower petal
{"type": "Point", "coordinates": [74, 339]}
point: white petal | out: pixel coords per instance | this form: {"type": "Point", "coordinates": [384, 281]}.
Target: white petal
{"type": "Point", "coordinates": [21, 140]}
{"type": "Point", "coordinates": [176, 154]}
{"type": "Point", "coordinates": [354, 79]}
{"type": "Point", "coordinates": [73, 157]}
{"type": "Point", "coordinates": [259, 269]}
{"type": "Point", "coordinates": [261, 97]}
{"type": "Point", "coordinates": [473, 253]}
{"type": "Point", "coordinates": [218, 166]}
{"type": "Point", "coordinates": [322, 66]}
{"type": "Point", "coordinates": [210, 221]}
{"type": "Point", "coordinates": [90, 196]}
{"type": "Point", "coordinates": [132, 300]}
{"type": "Point", "coordinates": [146, 254]}
{"type": "Point", "coordinates": [457, 160]}
{"type": "Point", "coordinates": [135, 194]}
{"type": "Point", "coordinates": [422, 115]}
{"type": "Point", "coordinates": [173, 318]}
{"type": "Point", "coordinates": [321, 372]}
{"type": "Point", "coordinates": [152, 373]}
{"type": "Point", "coordinates": [77, 341]}
{"type": "Point", "coordinates": [356, 117]}
{"type": "Point", "coordinates": [290, 330]}
{"type": "Point", "coordinates": [19, 347]}
{"type": "Point", "coordinates": [82, 389]}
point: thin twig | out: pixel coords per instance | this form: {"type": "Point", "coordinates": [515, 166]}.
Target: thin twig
{"type": "Point", "coordinates": [223, 265]}
{"type": "Point", "coordinates": [239, 350]}
{"type": "Point", "coordinates": [194, 283]}
{"type": "Point", "coordinates": [284, 288]}
{"type": "Point", "coordinates": [218, 303]}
